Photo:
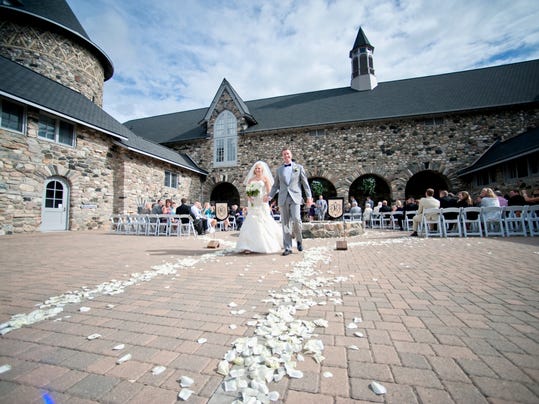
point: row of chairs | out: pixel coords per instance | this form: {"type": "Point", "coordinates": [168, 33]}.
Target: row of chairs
{"type": "Point", "coordinates": [153, 225]}
{"type": "Point", "coordinates": [481, 221]}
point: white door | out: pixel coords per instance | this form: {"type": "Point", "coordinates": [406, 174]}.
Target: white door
{"type": "Point", "coordinates": [55, 212]}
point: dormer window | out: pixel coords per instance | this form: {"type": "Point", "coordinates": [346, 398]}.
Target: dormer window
{"type": "Point", "coordinates": [225, 135]}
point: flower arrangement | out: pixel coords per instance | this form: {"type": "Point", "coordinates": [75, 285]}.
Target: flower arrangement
{"type": "Point", "coordinates": [252, 190]}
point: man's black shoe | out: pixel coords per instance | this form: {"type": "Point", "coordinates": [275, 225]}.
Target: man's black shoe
{"type": "Point", "coordinates": [414, 234]}
{"type": "Point", "coordinates": [300, 246]}
{"type": "Point", "coordinates": [287, 252]}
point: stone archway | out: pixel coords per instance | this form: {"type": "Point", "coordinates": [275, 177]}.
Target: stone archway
{"type": "Point", "coordinates": [225, 192]}
{"type": "Point", "coordinates": [326, 187]}
{"type": "Point", "coordinates": [419, 182]}
{"type": "Point", "coordinates": [370, 185]}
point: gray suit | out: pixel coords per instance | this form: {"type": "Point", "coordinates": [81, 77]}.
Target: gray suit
{"type": "Point", "coordinates": [290, 200]}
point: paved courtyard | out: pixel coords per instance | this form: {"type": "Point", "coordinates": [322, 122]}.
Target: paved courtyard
{"type": "Point", "coordinates": [430, 320]}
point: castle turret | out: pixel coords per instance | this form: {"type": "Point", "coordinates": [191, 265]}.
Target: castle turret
{"type": "Point", "coordinates": [363, 77]}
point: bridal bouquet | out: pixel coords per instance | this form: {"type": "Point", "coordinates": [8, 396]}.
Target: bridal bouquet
{"type": "Point", "coordinates": [252, 190]}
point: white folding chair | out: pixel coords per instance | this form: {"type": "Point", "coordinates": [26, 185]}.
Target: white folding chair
{"type": "Point", "coordinates": [186, 225]}
{"type": "Point", "coordinates": [491, 217]}
{"type": "Point", "coordinates": [356, 217]}
{"type": "Point", "coordinates": [153, 225]}
{"type": "Point", "coordinates": [163, 225]}
{"type": "Point", "coordinates": [347, 217]}
{"type": "Point", "coordinates": [376, 220]}
{"type": "Point", "coordinates": [129, 224]}
{"type": "Point", "coordinates": [386, 220]}
{"type": "Point", "coordinates": [431, 222]}
{"type": "Point", "coordinates": [395, 216]}
{"type": "Point", "coordinates": [232, 222]}
{"type": "Point", "coordinates": [451, 222]}
{"type": "Point", "coordinates": [471, 221]}
{"type": "Point", "coordinates": [532, 217]}
{"type": "Point", "coordinates": [142, 224]}
{"type": "Point", "coordinates": [115, 223]}
{"type": "Point", "coordinates": [514, 219]}
{"type": "Point", "coordinates": [408, 220]}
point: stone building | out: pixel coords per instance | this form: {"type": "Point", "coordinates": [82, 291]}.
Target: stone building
{"type": "Point", "coordinates": [390, 140]}
{"type": "Point", "coordinates": [64, 163]}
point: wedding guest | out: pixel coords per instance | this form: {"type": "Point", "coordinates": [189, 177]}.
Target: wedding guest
{"type": "Point", "coordinates": [515, 198]}
{"type": "Point", "coordinates": [501, 199]}
{"type": "Point", "coordinates": [428, 202]}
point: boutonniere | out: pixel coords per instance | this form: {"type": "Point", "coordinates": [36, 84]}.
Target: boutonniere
{"type": "Point", "coordinates": [296, 169]}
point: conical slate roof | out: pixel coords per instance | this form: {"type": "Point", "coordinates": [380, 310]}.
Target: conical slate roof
{"type": "Point", "coordinates": [56, 16]}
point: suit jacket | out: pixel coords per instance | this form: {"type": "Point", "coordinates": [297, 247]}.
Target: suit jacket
{"type": "Point", "coordinates": [298, 178]}
{"type": "Point", "coordinates": [427, 202]}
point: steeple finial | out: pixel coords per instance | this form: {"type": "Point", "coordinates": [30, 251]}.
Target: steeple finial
{"type": "Point", "coordinates": [363, 77]}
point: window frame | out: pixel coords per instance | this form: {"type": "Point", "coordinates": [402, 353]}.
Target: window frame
{"type": "Point", "coordinates": [171, 178]}
{"type": "Point", "coordinates": [225, 140]}
{"type": "Point", "coordinates": [22, 116]}
{"type": "Point", "coordinates": [58, 123]}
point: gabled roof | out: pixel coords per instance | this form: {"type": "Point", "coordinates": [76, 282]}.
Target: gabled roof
{"type": "Point", "coordinates": [23, 85]}
{"type": "Point", "coordinates": [56, 16]}
{"type": "Point", "coordinates": [225, 85]}
{"type": "Point", "coordinates": [500, 152]}
{"type": "Point", "coordinates": [491, 87]}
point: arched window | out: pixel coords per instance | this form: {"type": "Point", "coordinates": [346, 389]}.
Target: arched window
{"type": "Point", "coordinates": [225, 139]}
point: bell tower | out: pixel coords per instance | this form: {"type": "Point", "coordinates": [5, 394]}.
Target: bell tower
{"type": "Point", "coordinates": [363, 77]}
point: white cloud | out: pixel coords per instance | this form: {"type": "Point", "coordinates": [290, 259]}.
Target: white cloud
{"type": "Point", "coordinates": [171, 56]}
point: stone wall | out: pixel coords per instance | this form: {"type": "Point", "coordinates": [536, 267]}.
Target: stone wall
{"type": "Point", "coordinates": [140, 178]}
{"type": "Point", "coordinates": [393, 149]}
{"type": "Point", "coordinates": [53, 56]}
{"type": "Point", "coordinates": [103, 177]}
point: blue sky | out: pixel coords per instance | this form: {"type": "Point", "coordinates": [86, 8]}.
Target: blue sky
{"type": "Point", "coordinates": [171, 55]}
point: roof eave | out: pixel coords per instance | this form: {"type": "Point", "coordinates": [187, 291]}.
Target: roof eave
{"type": "Point", "coordinates": [62, 115]}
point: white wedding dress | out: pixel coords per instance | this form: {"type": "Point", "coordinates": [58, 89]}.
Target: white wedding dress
{"type": "Point", "coordinates": [259, 232]}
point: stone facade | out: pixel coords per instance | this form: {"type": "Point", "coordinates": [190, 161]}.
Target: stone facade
{"type": "Point", "coordinates": [103, 178]}
{"type": "Point", "coordinates": [393, 150]}
{"type": "Point", "coordinates": [53, 56]}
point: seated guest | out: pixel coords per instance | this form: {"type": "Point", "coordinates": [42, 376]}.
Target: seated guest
{"type": "Point", "coordinates": [237, 214]}
{"type": "Point", "coordinates": [200, 222]}
{"type": "Point", "coordinates": [515, 199]}
{"type": "Point", "coordinates": [367, 214]}
{"type": "Point", "coordinates": [385, 207]}
{"type": "Point", "coordinates": [489, 199]}
{"type": "Point", "coordinates": [428, 202]}
{"type": "Point", "coordinates": [501, 199]}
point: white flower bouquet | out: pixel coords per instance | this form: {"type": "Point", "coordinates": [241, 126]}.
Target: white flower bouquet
{"type": "Point", "coordinates": [252, 190]}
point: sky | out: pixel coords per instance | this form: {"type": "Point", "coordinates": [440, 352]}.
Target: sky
{"type": "Point", "coordinates": [172, 55]}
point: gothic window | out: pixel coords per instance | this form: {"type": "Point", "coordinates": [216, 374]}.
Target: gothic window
{"type": "Point", "coordinates": [225, 139]}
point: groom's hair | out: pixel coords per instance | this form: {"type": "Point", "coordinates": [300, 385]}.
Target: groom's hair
{"type": "Point", "coordinates": [285, 148]}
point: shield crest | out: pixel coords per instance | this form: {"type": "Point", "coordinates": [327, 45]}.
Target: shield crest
{"type": "Point", "coordinates": [335, 207]}
{"type": "Point", "coordinates": [221, 210]}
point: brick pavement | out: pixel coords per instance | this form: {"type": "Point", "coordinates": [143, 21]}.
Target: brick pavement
{"type": "Point", "coordinates": [450, 320]}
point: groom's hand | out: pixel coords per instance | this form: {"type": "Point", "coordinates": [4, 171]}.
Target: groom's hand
{"type": "Point", "coordinates": [266, 198]}
{"type": "Point", "coordinates": [309, 202]}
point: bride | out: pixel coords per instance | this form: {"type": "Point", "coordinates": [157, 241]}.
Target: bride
{"type": "Point", "coordinates": [259, 231]}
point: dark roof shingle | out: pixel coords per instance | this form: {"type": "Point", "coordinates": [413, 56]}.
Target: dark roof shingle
{"type": "Point", "coordinates": [491, 87]}
{"type": "Point", "coordinates": [28, 87]}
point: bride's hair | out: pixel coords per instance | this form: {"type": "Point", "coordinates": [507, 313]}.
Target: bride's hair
{"type": "Point", "coordinates": [265, 171]}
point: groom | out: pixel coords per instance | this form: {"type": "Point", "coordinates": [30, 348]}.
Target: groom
{"type": "Point", "coordinates": [288, 182]}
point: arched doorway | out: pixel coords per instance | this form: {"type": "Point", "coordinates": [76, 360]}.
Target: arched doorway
{"type": "Point", "coordinates": [321, 186]}
{"type": "Point", "coordinates": [55, 208]}
{"type": "Point", "coordinates": [419, 182]}
{"type": "Point", "coordinates": [370, 185]}
{"type": "Point", "coordinates": [225, 192]}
